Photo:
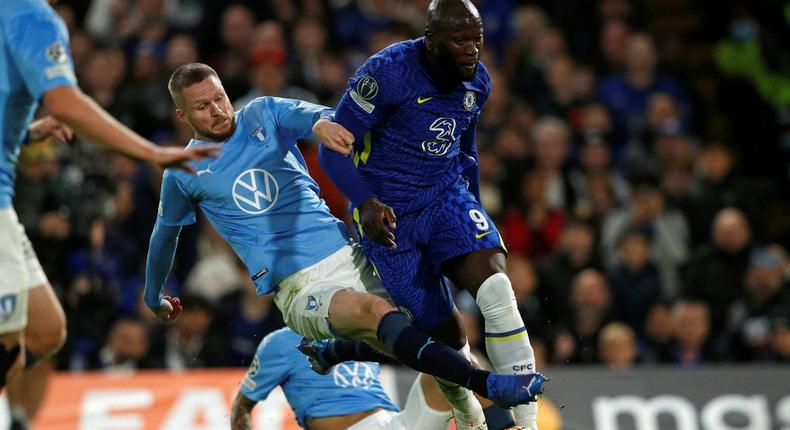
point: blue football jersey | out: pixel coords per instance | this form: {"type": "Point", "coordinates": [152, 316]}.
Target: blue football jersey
{"type": "Point", "coordinates": [35, 58]}
{"type": "Point", "coordinates": [258, 194]}
{"type": "Point", "coordinates": [411, 153]}
{"type": "Point", "coordinates": [351, 387]}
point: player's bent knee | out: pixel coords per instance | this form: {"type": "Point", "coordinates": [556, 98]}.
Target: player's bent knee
{"type": "Point", "coordinates": [495, 296]}
{"type": "Point", "coordinates": [47, 343]}
{"type": "Point", "coordinates": [371, 310]}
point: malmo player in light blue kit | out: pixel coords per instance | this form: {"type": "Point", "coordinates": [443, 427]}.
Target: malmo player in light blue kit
{"type": "Point", "coordinates": [260, 198]}
{"type": "Point", "coordinates": [349, 397]}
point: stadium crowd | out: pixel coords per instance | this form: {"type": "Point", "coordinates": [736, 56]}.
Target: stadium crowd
{"type": "Point", "coordinates": [631, 153]}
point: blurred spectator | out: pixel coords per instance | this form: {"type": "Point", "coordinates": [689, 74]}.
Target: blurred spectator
{"type": "Point", "coordinates": [590, 312]}
{"type": "Point", "coordinates": [691, 322]}
{"type": "Point", "coordinates": [247, 318]}
{"type": "Point", "coordinates": [560, 98]}
{"type": "Point", "coordinates": [144, 104]}
{"type": "Point", "coordinates": [617, 346]}
{"type": "Point", "coordinates": [552, 147]}
{"type": "Point", "coordinates": [613, 45]}
{"type": "Point", "coordinates": [716, 273]}
{"type": "Point", "coordinates": [627, 94]}
{"type": "Point", "coordinates": [596, 166]}
{"type": "Point", "coordinates": [575, 252]}
{"type": "Point", "coordinates": [126, 349]}
{"type": "Point", "coordinates": [269, 77]}
{"type": "Point", "coordinates": [331, 79]}
{"type": "Point", "coordinates": [522, 277]}
{"type": "Point", "coordinates": [717, 186]}
{"type": "Point", "coordinates": [237, 26]}
{"type": "Point", "coordinates": [190, 341]}
{"type": "Point", "coordinates": [658, 334]}
{"type": "Point", "coordinates": [181, 49]}
{"type": "Point", "coordinates": [310, 39]}
{"type": "Point", "coordinates": [767, 296]}
{"type": "Point", "coordinates": [634, 281]}
{"type": "Point", "coordinates": [42, 204]}
{"type": "Point", "coordinates": [534, 228]}
{"type": "Point", "coordinates": [666, 229]}
{"type": "Point", "coordinates": [218, 272]}
{"type": "Point", "coordinates": [102, 76]}
{"type": "Point", "coordinates": [515, 152]}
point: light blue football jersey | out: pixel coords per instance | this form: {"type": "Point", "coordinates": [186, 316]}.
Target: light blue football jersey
{"type": "Point", "coordinates": [258, 194]}
{"type": "Point", "coordinates": [351, 387]}
{"type": "Point", "coordinates": [35, 58]}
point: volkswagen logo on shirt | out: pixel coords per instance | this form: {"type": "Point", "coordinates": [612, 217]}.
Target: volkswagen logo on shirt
{"type": "Point", "coordinates": [255, 191]}
{"type": "Point", "coordinates": [353, 374]}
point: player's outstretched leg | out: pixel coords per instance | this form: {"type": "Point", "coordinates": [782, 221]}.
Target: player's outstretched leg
{"type": "Point", "coordinates": [507, 343]}
{"type": "Point", "coordinates": [372, 319]}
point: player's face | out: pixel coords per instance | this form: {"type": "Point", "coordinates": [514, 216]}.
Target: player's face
{"type": "Point", "coordinates": [206, 108]}
{"type": "Point", "coordinates": [458, 49]}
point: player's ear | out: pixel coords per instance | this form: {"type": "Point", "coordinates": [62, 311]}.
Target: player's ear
{"type": "Point", "coordinates": [430, 41]}
{"type": "Point", "coordinates": [181, 115]}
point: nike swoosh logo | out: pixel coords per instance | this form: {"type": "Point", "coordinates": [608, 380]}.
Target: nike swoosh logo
{"type": "Point", "coordinates": [421, 100]}
{"type": "Point", "coordinates": [482, 235]}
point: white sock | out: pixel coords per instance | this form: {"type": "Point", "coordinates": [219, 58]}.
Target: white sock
{"type": "Point", "coordinates": [507, 341]}
{"type": "Point", "coordinates": [466, 409]}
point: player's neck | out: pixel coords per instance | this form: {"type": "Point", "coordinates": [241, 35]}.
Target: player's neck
{"type": "Point", "coordinates": [439, 73]}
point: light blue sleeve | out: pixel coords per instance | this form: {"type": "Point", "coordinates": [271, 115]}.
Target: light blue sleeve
{"type": "Point", "coordinates": [176, 208]}
{"type": "Point", "coordinates": [269, 368]}
{"type": "Point", "coordinates": [161, 252]}
{"type": "Point", "coordinates": [39, 46]}
{"type": "Point", "coordinates": [297, 116]}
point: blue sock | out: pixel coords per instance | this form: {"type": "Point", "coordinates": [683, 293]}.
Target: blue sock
{"type": "Point", "coordinates": [339, 351]}
{"type": "Point", "coordinates": [424, 354]}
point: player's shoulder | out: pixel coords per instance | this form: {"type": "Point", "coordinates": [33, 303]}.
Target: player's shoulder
{"type": "Point", "coordinates": [14, 9]}
{"type": "Point", "coordinates": [394, 58]}
{"type": "Point", "coordinates": [282, 341]}
{"type": "Point", "coordinates": [256, 105]}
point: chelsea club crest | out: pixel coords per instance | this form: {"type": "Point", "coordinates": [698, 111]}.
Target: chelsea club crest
{"type": "Point", "coordinates": [469, 100]}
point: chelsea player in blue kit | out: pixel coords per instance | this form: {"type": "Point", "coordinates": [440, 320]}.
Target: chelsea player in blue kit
{"type": "Point", "coordinates": [36, 69]}
{"type": "Point", "coordinates": [350, 397]}
{"type": "Point", "coordinates": [413, 110]}
{"type": "Point", "coordinates": [260, 198]}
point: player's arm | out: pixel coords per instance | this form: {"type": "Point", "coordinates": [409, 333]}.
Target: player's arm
{"type": "Point", "coordinates": [161, 253]}
{"type": "Point", "coordinates": [241, 413]}
{"type": "Point", "coordinates": [305, 120]}
{"type": "Point", "coordinates": [39, 49]}
{"type": "Point", "coordinates": [176, 209]}
{"type": "Point", "coordinates": [361, 109]}
{"type": "Point", "coordinates": [69, 105]}
{"type": "Point", "coordinates": [277, 356]}
{"type": "Point", "coordinates": [472, 158]}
